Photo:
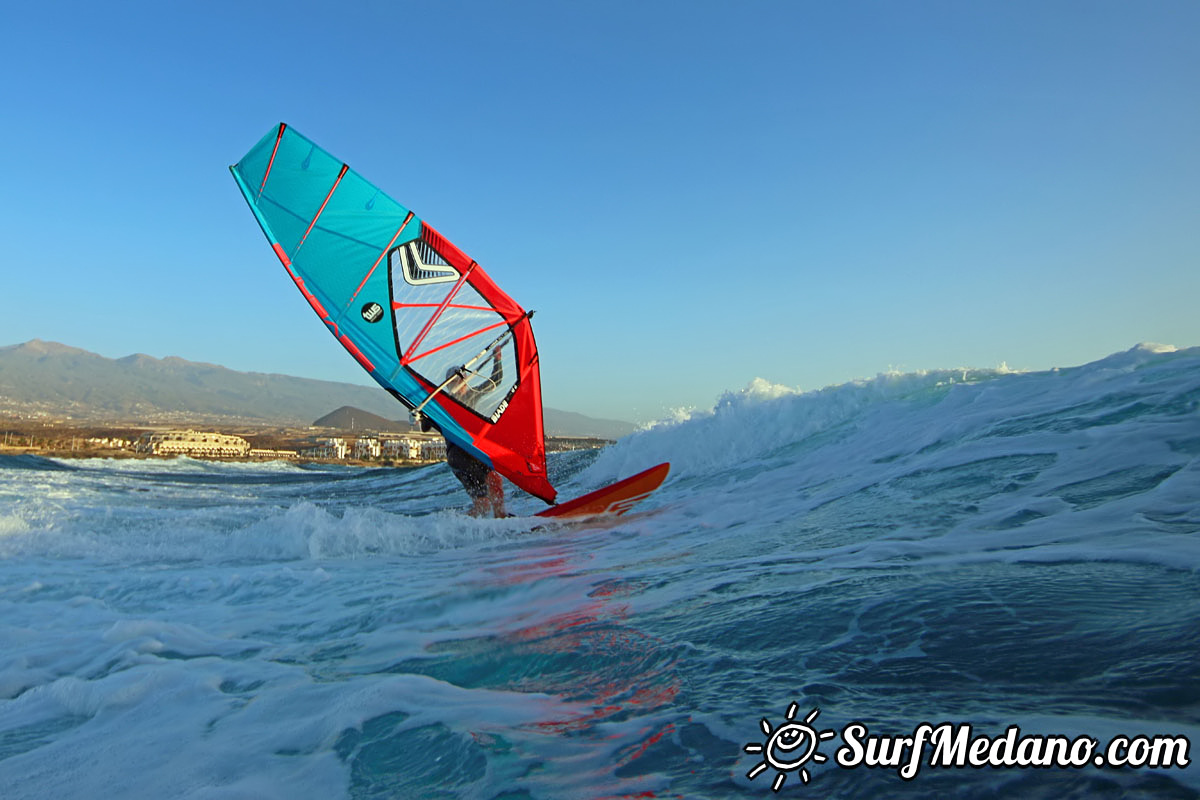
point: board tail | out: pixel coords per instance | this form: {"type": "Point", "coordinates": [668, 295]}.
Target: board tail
{"type": "Point", "coordinates": [616, 498]}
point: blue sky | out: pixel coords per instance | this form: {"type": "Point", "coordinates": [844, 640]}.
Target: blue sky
{"type": "Point", "coordinates": [691, 195]}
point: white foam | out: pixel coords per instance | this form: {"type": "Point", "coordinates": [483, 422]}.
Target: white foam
{"type": "Point", "coordinates": [164, 634]}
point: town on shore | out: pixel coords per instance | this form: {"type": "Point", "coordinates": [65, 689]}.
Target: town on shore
{"type": "Point", "coordinates": [61, 439]}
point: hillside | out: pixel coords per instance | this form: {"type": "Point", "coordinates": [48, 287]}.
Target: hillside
{"type": "Point", "coordinates": [349, 418]}
{"type": "Point", "coordinates": [49, 378]}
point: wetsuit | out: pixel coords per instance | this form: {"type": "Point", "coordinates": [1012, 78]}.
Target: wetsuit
{"type": "Point", "coordinates": [470, 471]}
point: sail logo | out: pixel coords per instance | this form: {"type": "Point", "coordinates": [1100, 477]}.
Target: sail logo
{"type": "Point", "coordinates": [500, 409]}
{"type": "Point", "coordinates": [372, 312]}
{"type": "Point", "coordinates": [421, 265]}
{"type": "Point", "coordinates": [621, 506]}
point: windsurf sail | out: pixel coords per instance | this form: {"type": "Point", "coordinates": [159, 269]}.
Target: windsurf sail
{"type": "Point", "coordinates": [423, 319]}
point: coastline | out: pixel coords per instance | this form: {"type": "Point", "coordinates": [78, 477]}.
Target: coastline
{"type": "Point", "coordinates": [83, 439]}
{"type": "Point", "coordinates": [82, 455]}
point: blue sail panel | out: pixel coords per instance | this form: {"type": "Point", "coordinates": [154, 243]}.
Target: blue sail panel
{"type": "Point", "coordinates": [407, 304]}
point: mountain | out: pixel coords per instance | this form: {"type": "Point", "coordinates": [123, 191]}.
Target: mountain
{"type": "Point", "coordinates": [349, 418]}
{"type": "Point", "coordinates": [557, 423]}
{"type": "Point", "coordinates": [569, 423]}
{"type": "Point", "coordinates": [55, 379]}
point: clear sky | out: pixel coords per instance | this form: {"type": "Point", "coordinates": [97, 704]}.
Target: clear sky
{"type": "Point", "coordinates": [690, 194]}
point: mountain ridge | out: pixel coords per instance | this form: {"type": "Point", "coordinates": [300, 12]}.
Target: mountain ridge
{"type": "Point", "coordinates": [55, 378]}
{"type": "Point", "coordinates": [351, 418]}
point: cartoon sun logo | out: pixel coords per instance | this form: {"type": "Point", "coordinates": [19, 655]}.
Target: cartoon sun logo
{"type": "Point", "coordinates": [788, 747]}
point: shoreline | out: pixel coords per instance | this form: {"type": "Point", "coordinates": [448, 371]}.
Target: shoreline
{"type": "Point", "coordinates": [81, 454]}
{"type": "Point", "coordinates": [82, 439]}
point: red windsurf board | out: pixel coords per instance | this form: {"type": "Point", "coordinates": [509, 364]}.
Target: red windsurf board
{"type": "Point", "coordinates": [615, 499]}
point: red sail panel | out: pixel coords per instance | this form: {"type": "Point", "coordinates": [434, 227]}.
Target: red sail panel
{"type": "Point", "coordinates": [462, 312]}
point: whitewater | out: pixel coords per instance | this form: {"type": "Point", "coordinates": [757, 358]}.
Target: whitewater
{"type": "Point", "coordinates": [980, 547]}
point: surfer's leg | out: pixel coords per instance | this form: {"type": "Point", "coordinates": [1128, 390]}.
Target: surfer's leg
{"type": "Point", "coordinates": [473, 476]}
{"type": "Point", "coordinates": [495, 494]}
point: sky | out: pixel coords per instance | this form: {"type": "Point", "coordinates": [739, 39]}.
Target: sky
{"type": "Point", "coordinates": [691, 195]}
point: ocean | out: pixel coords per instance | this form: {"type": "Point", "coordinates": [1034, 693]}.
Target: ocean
{"type": "Point", "coordinates": [981, 549]}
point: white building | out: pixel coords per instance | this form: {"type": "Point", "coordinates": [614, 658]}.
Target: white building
{"type": "Point", "coordinates": [433, 449]}
{"type": "Point", "coordinates": [265, 452]}
{"type": "Point", "coordinates": [199, 444]}
{"type": "Point", "coordinates": [330, 448]}
{"type": "Point", "coordinates": [111, 443]}
{"type": "Point", "coordinates": [366, 447]}
{"type": "Point", "coordinates": [415, 447]}
{"type": "Point", "coordinates": [407, 449]}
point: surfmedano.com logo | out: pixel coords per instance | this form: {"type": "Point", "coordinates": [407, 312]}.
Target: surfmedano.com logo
{"type": "Point", "coordinates": [791, 746]}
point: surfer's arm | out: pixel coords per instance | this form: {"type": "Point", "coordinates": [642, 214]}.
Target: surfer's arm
{"type": "Point", "coordinates": [497, 369]}
{"type": "Point", "coordinates": [497, 377]}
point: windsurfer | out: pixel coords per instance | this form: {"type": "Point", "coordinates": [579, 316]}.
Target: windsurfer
{"type": "Point", "coordinates": [484, 485]}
